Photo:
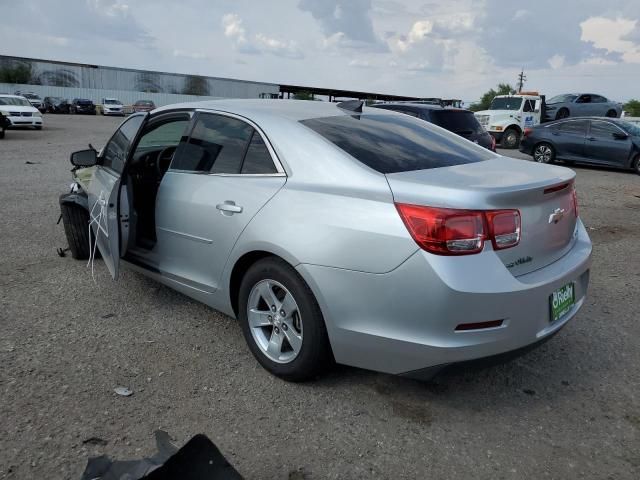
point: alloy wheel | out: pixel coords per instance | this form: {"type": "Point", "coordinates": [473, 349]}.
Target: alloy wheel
{"type": "Point", "coordinates": [543, 154]}
{"type": "Point", "coordinates": [275, 321]}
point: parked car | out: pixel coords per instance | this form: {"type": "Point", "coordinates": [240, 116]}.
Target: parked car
{"type": "Point", "coordinates": [459, 121]}
{"type": "Point", "coordinates": [34, 99]}
{"type": "Point", "coordinates": [19, 112]}
{"type": "Point", "coordinates": [82, 105]}
{"type": "Point", "coordinates": [594, 140]}
{"type": "Point", "coordinates": [581, 105]}
{"type": "Point", "coordinates": [112, 106]}
{"type": "Point", "coordinates": [144, 106]}
{"type": "Point", "coordinates": [56, 105]}
{"type": "Point", "coordinates": [4, 124]}
{"type": "Point", "coordinates": [333, 231]}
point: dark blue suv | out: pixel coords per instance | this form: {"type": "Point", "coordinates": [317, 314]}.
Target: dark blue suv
{"type": "Point", "coordinates": [457, 120]}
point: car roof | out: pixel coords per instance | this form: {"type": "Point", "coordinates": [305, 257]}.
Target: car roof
{"type": "Point", "coordinates": [10, 96]}
{"type": "Point", "coordinates": [417, 106]}
{"type": "Point", "coordinates": [263, 109]}
{"type": "Point", "coordinates": [570, 119]}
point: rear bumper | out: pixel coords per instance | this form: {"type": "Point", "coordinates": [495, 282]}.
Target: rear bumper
{"type": "Point", "coordinates": [497, 136]}
{"type": "Point", "coordinates": [404, 321]}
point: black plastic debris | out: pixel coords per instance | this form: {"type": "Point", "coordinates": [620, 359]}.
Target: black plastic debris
{"type": "Point", "coordinates": [198, 459]}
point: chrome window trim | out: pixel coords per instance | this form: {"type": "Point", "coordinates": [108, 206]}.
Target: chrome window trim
{"type": "Point", "coordinates": [274, 157]}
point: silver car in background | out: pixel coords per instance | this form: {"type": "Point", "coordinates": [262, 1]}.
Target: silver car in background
{"type": "Point", "coordinates": [334, 232]}
{"type": "Point", "coordinates": [581, 105]}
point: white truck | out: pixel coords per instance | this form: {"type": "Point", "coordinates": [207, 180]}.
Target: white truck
{"type": "Point", "coordinates": [509, 115]}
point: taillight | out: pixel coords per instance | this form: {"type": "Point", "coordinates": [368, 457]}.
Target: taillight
{"type": "Point", "coordinates": [493, 143]}
{"type": "Point", "coordinates": [527, 131]}
{"type": "Point", "coordinates": [574, 200]}
{"type": "Point", "coordinates": [448, 231]}
{"type": "Point", "coordinates": [504, 227]}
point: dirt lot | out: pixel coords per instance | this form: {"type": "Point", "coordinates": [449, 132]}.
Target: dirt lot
{"type": "Point", "coordinates": [570, 409]}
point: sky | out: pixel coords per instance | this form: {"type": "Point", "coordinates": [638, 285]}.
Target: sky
{"type": "Point", "coordinates": [449, 49]}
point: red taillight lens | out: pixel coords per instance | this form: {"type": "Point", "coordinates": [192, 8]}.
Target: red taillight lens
{"type": "Point", "coordinates": [448, 231]}
{"type": "Point", "coordinates": [504, 227]}
{"type": "Point", "coordinates": [444, 231]}
{"type": "Point", "coordinates": [574, 200]}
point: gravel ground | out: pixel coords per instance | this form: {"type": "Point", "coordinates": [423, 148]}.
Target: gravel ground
{"type": "Point", "coordinates": [569, 409]}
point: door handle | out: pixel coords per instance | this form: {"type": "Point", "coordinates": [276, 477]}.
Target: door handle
{"type": "Point", "coordinates": [229, 207]}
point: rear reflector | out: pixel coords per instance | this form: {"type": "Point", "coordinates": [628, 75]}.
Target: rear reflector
{"type": "Point", "coordinates": [448, 231]}
{"type": "Point", "coordinates": [478, 326]}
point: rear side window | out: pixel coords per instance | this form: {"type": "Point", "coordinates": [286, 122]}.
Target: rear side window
{"type": "Point", "coordinates": [396, 143]}
{"type": "Point", "coordinates": [576, 127]}
{"type": "Point", "coordinates": [457, 121]}
{"type": "Point", "coordinates": [217, 145]}
{"type": "Point", "coordinates": [258, 159]}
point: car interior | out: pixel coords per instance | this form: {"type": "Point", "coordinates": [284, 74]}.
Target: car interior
{"type": "Point", "coordinates": [151, 160]}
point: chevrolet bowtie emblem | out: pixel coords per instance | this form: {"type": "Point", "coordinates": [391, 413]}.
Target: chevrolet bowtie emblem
{"type": "Point", "coordinates": [557, 215]}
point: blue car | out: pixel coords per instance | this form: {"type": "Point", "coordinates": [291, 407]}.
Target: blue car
{"type": "Point", "coordinates": [581, 105]}
{"type": "Point", "coordinates": [594, 140]}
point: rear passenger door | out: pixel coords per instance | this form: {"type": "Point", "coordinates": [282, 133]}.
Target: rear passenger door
{"type": "Point", "coordinates": [220, 177]}
{"type": "Point", "coordinates": [569, 139]}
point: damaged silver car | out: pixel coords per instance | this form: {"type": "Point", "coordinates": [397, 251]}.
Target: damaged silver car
{"type": "Point", "coordinates": [334, 232]}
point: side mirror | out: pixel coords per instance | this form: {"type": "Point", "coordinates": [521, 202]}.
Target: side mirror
{"type": "Point", "coordinates": [84, 158]}
{"type": "Point", "coordinates": [620, 136]}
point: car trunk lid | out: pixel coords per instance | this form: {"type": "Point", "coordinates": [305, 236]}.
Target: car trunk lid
{"type": "Point", "coordinates": [542, 193]}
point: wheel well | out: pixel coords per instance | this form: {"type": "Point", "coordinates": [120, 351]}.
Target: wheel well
{"type": "Point", "coordinates": [239, 269]}
{"type": "Point", "coordinates": [514, 127]}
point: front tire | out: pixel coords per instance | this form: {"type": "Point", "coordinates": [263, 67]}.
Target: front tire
{"type": "Point", "coordinates": [611, 114]}
{"type": "Point", "coordinates": [510, 138]}
{"type": "Point", "coordinates": [562, 113]}
{"type": "Point", "coordinates": [75, 220]}
{"type": "Point", "coordinates": [282, 322]}
{"type": "Point", "coordinates": [544, 153]}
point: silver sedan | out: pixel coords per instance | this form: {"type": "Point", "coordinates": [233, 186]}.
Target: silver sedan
{"type": "Point", "coordinates": [334, 232]}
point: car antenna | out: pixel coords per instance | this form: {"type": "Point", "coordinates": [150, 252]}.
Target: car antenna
{"type": "Point", "coordinates": [351, 105]}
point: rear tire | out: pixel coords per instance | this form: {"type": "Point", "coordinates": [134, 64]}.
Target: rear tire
{"type": "Point", "coordinates": [562, 113]}
{"type": "Point", "coordinates": [75, 220]}
{"type": "Point", "coordinates": [510, 138]}
{"type": "Point", "coordinates": [309, 352]}
{"type": "Point", "coordinates": [611, 114]}
{"type": "Point", "coordinates": [636, 164]}
{"type": "Point", "coordinates": [544, 153]}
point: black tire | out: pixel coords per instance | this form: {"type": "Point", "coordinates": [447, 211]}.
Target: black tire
{"type": "Point", "coordinates": [75, 220]}
{"type": "Point", "coordinates": [636, 164]}
{"type": "Point", "coordinates": [562, 113]}
{"type": "Point", "coordinates": [1, 133]}
{"type": "Point", "coordinates": [315, 353]}
{"type": "Point", "coordinates": [544, 153]}
{"type": "Point", "coordinates": [612, 114]}
{"type": "Point", "coordinates": [510, 138]}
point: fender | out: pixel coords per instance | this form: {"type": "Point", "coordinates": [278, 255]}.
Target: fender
{"type": "Point", "coordinates": [76, 198]}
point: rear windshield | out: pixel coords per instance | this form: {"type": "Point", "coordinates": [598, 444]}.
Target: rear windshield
{"type": "Point", "coordinates": [457, 121]}
{"type": "Point", "coordinates": [396, 143]}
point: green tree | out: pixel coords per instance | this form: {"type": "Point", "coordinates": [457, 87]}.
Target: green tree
{"type": "Point", "coordinates": [632, 107]}
{"type": "Point", "coordinates": [485, 100]}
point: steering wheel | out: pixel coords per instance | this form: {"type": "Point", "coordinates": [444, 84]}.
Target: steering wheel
{"type": "Point", "coordinates": [164, 160]}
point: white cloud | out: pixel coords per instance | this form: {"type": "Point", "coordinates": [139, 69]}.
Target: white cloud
{"type": "Point", "coordinates": [557, 61]}
{"type": "Point", "coordinates": [258, 43]}
{"type": "Point", "coordinates": [607, 34]}
{"type": "Point", "coordinates": [360, 63]}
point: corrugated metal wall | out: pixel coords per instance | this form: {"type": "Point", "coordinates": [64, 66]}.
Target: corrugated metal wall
{"type": "Point", "coordinates": [83, 78]}
{"type": "Point", "coordinates": [96, 95]}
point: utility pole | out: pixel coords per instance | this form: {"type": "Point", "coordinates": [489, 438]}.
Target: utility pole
{"type": "Point", "coordinates": [521, 79]}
